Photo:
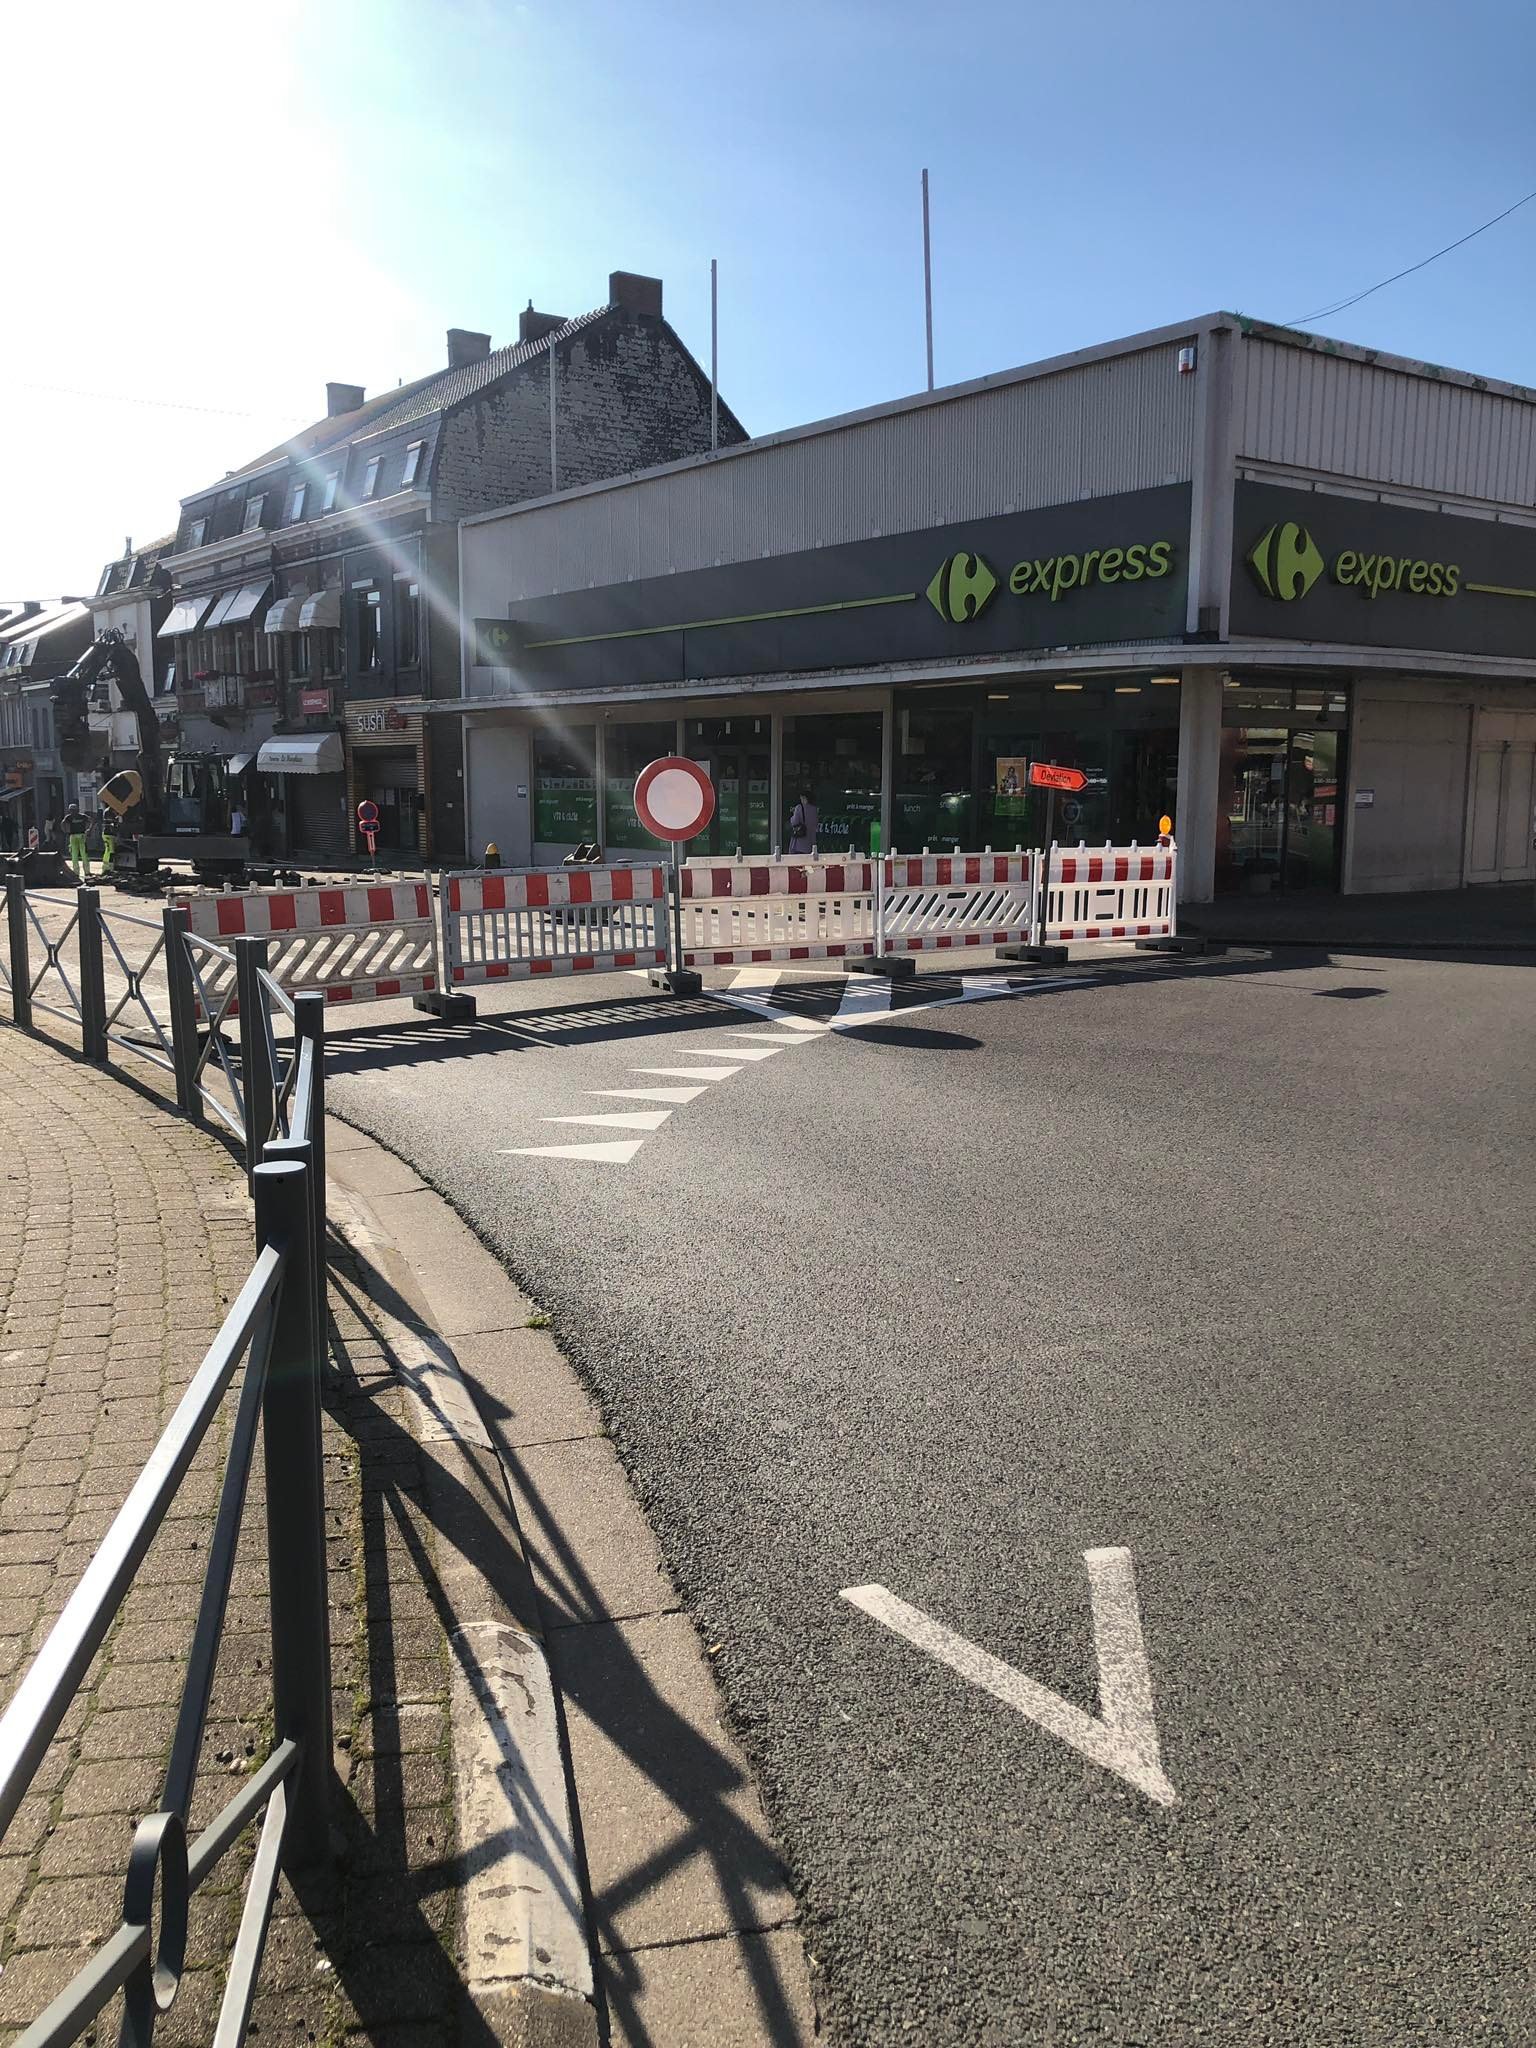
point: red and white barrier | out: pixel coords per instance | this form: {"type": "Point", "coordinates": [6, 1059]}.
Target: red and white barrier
{"type": "Point", "coordinates": [935, 901]}
{"type": "Point", "coordinates": [516, 925]}
{"type": "Point", "coordinates": [736, 913]}
{"type": "Point", "coordinates": [1109, 894]}
{"type": "Point", "coordinates": [359, 944]}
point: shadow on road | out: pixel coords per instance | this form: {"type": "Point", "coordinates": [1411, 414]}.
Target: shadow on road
{"type": "Point", "coordinates": [404, 1523]}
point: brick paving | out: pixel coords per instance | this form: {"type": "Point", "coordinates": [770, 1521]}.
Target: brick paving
{"type": "Point", "coordinates": [124, 1234]}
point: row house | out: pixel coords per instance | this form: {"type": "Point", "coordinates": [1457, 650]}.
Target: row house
{"type": "Point", "coordinates": [316, 593]}
{"type": "Point", "coordinates": [132, 598]}
{"type": "Point", "coordinates": [41, 749]}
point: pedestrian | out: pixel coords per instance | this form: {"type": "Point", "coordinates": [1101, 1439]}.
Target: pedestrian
{"type": "Point", "coordinates": [108, 840]}
{"type": "Point", "coordinates": [803, 824]}
{"type": "Point", "coordinates": [237, 820]}
{"type": "Point", "coordinates": [50, 832]}
{"type": "Point", "coordinates": [7, 829]}
{"type": "Point", "coordinates": [74, 833]}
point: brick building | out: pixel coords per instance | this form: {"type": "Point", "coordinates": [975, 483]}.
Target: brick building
{"type": "Point", "coordinates": [316, 589]}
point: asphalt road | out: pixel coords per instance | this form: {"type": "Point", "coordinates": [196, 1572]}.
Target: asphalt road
{"type": "Point", "coordinates": [1229, 1265]}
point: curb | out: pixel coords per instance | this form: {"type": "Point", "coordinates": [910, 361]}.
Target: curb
{"type": "Point", "coordinates": [1404, 944]}
{"type": "Point", "coordinates": [524, 1941]}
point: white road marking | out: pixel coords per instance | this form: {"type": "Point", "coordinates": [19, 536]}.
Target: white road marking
{"type": "Point", "coordinates": [771, 1013]}
{"type": "Point", "coordinates": [1123, 1738]}
{"type": "Point", "coordinates": [863, 998]}
{"type": "Point", "coordinates": [761, 1038]}
{"type": "Point", "coordinates": [689, 1073]}
{"type": "Point", "coordinates": [617, 1119]}
{"type": "Point", "coordinates": [763, 978]}
{"type": "Point", "coordinates": [613, 1152]}
{"type": "Point", "coordinates": [647, 1094]}
{"type": "Point", "coordinates": [729, 1052]}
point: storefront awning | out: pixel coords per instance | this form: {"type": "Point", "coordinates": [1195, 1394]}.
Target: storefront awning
{"type": "Point", "coordinates": [239, 605]}
{"type": "Point", "coordinates": [283, 613]}
{"type": "Point", "coordinates": [310, 754]}
{"type": "Point", "coordinates": [238, 763]}
{"type": "Point", "coordinates": [186, 617]}
{"type": "Point", "coordinates": [320, 610]}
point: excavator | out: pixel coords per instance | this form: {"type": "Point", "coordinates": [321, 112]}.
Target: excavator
{"type": "Point", "coordinates": [174, 808]}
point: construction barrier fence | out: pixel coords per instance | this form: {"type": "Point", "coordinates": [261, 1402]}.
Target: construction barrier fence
{"type": "Point", "coordinates": [508, 925]}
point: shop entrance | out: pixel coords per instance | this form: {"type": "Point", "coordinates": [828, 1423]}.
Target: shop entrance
{"type": "Point", "coordinates": [391, 779]}
{"type": "Point", "coordinates": [1279, 824]}
{"type": "Point", "coordinates": [734, 753]}
{"type": "Point", "coordinates": [1501, 811]}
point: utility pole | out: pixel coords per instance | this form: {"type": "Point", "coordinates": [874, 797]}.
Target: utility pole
{"type": "Point", "coordinates": [927, 281]}
{"type": "Point", "coordinates": [714, 354]}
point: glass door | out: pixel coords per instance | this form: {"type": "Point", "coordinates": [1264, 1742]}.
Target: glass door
{"type": "Point", "coordinates": [1277, 820]}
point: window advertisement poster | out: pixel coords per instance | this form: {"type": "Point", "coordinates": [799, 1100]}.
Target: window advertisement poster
{"type": "Point", "coordinates": [1012, 792]}
{"type": "Point", "coordinates": [565, 808]}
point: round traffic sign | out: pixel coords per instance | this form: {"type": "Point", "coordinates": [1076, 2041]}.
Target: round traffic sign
{"type": "Point", "coordinates": [368, 814]}
{"type": "Point", "coordinates": [674, 798]}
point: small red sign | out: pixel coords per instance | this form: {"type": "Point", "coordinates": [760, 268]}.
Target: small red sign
{"type": "Point", "coordinates": [311, 701]}
{"type": "Point", "coordinates": [674, 798]}
{"type": "Point", "coordinates": [368, 815]}
{"type": "Point", "coordinates": [1046, 775]}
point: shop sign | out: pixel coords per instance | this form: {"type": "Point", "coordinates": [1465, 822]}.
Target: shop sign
{"type": "Point", "coordinates": [314, 703]}
{"type": "Point", "coordinates": [1332, 568]}
{"type": "Point", "coordinates": [377, 718]}
{"type": "Point", "coordinates": [1100, 570]}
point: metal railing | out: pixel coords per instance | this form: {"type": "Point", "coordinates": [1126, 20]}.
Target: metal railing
{"type": "Point", "coordinates": [276, 1329]}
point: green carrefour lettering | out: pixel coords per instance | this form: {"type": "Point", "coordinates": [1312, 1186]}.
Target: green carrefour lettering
{"type": "Point", "coordinates": [1452, 578]}
{"type": "Point", "coordinates": [1159, 558]}
{"type": "Point", "coordinates": [1062, 581]}
{"type": "Point", "coordinates": [1018, 579]}
{"type": "Point", "coordinates": [1418, 576]}
{"type": "Point", "coordinates": [1344, 568]}
{"type": "Point", "coordinates": [1135, 564]}
{"type": "Point", "coordinates": [1109, 565]}
{"type": "Point", "coordinates": [1385, 577]}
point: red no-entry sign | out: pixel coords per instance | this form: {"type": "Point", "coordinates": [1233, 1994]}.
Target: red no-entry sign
{"type": "Point", "coordinates": [674, 798]}
{"type": "Point", "coordinates": [1046, 775]}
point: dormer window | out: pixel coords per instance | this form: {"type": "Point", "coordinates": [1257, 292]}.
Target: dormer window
{"type": "Point", "coordinates": [196, 531]}
{"type": "Point", "coordinates": [296, 503]}
{"type": "Point", "coordinates": [412, 464]}
{"type": "Point", "coordinates": [328, 490]}
{"type": "Point", "coordinates": [371, 476]}
{"type": "Point", "coordinates": [106, 578]}
{"type": "Point", "coordinates": [253, 511]}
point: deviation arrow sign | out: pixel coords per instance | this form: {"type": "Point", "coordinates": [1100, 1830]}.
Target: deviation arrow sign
{"type": "Point", "coordinates": [1123, 1736]}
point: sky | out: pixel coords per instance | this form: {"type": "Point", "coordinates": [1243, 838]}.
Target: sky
{"type": "Point", "coordinates": [209, 211]}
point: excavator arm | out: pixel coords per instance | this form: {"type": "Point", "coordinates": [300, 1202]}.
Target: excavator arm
{"type": "Point", "coordinates": [109, 650]}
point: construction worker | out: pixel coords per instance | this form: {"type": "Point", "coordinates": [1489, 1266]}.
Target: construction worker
{"type": "Point", "coordinates": [76, 852]}
{"type": "Point", "coordinates": [108, 840]}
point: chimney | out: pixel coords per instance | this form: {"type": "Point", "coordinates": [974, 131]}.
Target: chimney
{"type": "Point", "coordinates": [466, 347]}
{"type": "Point", "coordinates": [533, 326]}
{"type": "Point", "coordinates": [340, 398]}
{"type": "Point", "coordinates": [635, 294]}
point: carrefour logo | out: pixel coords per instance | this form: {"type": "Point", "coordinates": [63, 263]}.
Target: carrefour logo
{"type": "Point", "coordinates": [963, 585]}
{"type": "Point", "coordinates": [1286, 561]}
{"type": "Point", "coordinates": [961, 588]}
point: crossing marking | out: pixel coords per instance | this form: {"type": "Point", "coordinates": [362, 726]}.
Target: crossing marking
{"type": "Point", "coordinates": [759, 1038]}
{"type": "Point", "coordinates": [617, 1119]}
{"type": "Point", "coordinates": [1122, 1737]}
{"type": "Point", "coordinates": [863, 998]}
{"type": "Point", "coordinates": [611, 1152]}
{"type": "Point", "coordinates": [689, 1073]}
{"type": "Point", "coordinates": [648, 1094]}
{"type": "Point", "coordinates": [734, 1052]}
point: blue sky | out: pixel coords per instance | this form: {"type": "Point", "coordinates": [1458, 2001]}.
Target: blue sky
{"type": "Point", "coordinates": [332, 186]}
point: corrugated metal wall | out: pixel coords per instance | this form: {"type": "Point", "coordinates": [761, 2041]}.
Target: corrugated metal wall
{"type": "Point", "coordinates": [1315, 411]}
{"type": "Point", "coordinates": [1121, 424]}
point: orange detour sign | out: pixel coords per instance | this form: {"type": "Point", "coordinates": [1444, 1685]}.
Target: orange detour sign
{"type": "Point", "coordinates": [1046, 775]}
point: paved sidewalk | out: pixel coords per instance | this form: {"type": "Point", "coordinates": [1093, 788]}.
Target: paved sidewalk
{"type": "Point", "coordinates": [124, 1234]}
{"type": "Point", "coordinates": [1457, 920]}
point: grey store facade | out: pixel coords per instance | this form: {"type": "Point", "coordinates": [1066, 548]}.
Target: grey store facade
{"type": "Point", "coordinates": [1102, 561]}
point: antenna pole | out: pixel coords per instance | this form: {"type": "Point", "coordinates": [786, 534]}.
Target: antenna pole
{"type": "Point", "coordinates": [714, 353]}
{"type": "Point", "coordinates": [927, 281]}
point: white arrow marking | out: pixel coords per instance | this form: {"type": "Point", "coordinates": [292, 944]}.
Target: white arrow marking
{"type": "Point", "coordinates": [613, 1152]}
{"type": "Point", "coordinates": [617, 1119]}
{"type": "Point", "coordinates": [646, 1094]}
{"type": "Point", "coordinates": [1123, 1739]}
{"type": "Point", "coordinates": [772, 1013]}
{"type": "Point", "coordinates": [689, 1073]}
{"type": "Point", "coordinates": [762, 1038]}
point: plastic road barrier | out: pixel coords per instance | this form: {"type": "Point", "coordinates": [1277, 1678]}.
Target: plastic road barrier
{"type": "Point", "coordinates": [352, 945]}
{"type": "Point", "coordinates": [514, 925]}
{"type": "Point", "coordinates": [1113, 893]}
{"type": "Point", "coordinates": [931, 902]}
{"type": "Point", "coordinates": [744, 911]}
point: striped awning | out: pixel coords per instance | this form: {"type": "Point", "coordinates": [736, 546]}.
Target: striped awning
{"type": "Point", "coordinates": [186, 616]}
